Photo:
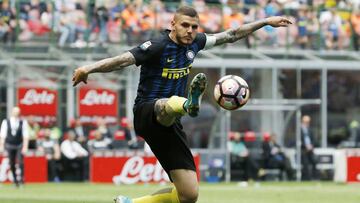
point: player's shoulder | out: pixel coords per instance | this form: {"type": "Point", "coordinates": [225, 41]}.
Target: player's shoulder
{"type": "Point", "coordinates": [200, 39]}
{"type": "Point", "coordinates": [154, 43]}
{"type": "Point", "coordinates": [200, 36]}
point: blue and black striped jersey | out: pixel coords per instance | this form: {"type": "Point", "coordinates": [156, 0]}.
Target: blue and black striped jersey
{"type": "Point", "coordinates": [165, 66]}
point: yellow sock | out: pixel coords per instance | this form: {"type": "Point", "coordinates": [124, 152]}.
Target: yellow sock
{"type": "Point", "coordinates": [177, 104]}
{"type": "Point", "coordinates": [169, 197]}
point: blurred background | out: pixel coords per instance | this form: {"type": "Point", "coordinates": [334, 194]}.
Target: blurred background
{"type": "Point", "coordinates": [308, 71]}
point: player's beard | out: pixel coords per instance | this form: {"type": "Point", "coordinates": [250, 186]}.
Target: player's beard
{"type": "Point", "coordinates": [183, 41]}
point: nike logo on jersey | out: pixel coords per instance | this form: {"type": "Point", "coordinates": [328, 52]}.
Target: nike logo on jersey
{"type": "Point", "coordinates": [169, 60]}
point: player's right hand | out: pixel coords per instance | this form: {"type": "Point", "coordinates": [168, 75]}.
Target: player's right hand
{"type": "Point", "coordinates": [80, 75]}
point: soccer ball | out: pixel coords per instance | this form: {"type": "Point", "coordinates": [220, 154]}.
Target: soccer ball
{"type": "Point", "coordinates": [231, 92]}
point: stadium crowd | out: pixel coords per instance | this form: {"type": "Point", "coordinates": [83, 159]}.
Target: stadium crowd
{"type": "Point", "coordinates": [68, 151]}
{"type": "Point", "coordinates": [318, 24]}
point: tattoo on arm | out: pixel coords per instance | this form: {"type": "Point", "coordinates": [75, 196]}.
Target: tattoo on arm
{"type": "Point", "coordinates": [233, 35]}
{"type": "Point", "coordinates": [112, 64]}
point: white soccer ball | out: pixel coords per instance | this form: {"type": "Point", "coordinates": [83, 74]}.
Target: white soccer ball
{"type": "Point", "coordinates": [231, 92]}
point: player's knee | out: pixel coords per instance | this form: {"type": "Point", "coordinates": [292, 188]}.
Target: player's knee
{"type": "Point", "coordinates": [165, 121]}
{"type": "Point", "coordinates": [188, 195]}
{"type": "Point", "coordinates": [162, 116]}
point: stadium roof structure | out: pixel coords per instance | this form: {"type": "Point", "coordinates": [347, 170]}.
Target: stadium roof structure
{"type": "Point", "coordinates": [279, 59]}
{"type": "Point", "coordinates": [55, 60]}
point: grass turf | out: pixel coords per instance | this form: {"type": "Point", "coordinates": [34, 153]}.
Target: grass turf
{"type": "Point", "coordinates": [267, 192]}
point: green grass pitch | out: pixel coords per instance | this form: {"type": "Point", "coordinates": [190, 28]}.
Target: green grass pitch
{"type": "Point", "coordinates": [266, 192]}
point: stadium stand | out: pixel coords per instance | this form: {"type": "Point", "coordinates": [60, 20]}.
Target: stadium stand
{"type": "Point", "coordinates": [45, 40]}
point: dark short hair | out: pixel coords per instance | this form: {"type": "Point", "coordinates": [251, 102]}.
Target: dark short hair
{"type": "Point", "coordinates": [188, 11]}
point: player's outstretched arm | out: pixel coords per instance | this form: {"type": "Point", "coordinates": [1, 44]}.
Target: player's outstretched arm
{"type": "Point", "coordinates": [103, 66]}
{"type": "Point", "coordinates": [232, 35]}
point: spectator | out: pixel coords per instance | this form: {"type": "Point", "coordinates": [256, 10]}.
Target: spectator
{"type": "Point", "coordinates": [114, 29]}
{"type": "Point", "coordinates": [268, 34]}
{"type": "Point", "coordinates": [130, 135]}
{"type": "Point", "coordinates": [14, 138]}
{"type": "Point", "coordinates": [7, 23]}
{"type": "Point", "coordinates": [240, 156]}
{"type": "Point", "coordinates": [274, 157]}
{"type": "Point", "coordinates": [147, 24]}
{"type": "Point", "coordinates": [64, 27]}
{"type": "Point", "coordinates": [34, 22]}
{"type": "Point", "coordinates": [102, 17]}
{"type": "Point", "coordinates": [354, 128]}
{"type": "Point", "coordinates": [34, 128]}
{"type": "Point", "coordinates": [210, 20]}
{"type": "Point", "coordinates": [131, 24]}
{"type": "Point", "coordinates": [103, 128]}
{"type": "Point", "coordinates": [79, 130]}
{"type": "Point", "coordinates": [312, 29]}
{"type": "Point", "coordinates": [4, 29]}
{"type": "Point", "coordinates": [78, 27]}
{"type": "Point", "coordinates": [331, 29]}
{"type": "Point", "coordinates": [47, 16]}
{"type": "Point", "coordinates": [250, 16]}
{"type": "Point", "coordinates": [74, 156]}
{"type": "Point", "coordinates": [355, 23]}
{"type": "Point", "coordinates": [55, 131]}
{"type": "Point", "coordinates": [51, 149]}
{"type": "Point", "coordinates": [308, 159]}
{"type": "Point", "coordinates": [234, 20]}
{"type": "Point", "coordinates": [99, 142]}
{"type": "Point", "coordinates": [302, 28]}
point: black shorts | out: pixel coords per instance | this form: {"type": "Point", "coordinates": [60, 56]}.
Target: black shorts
{"type": "Point", "coordinates": [169, 144]}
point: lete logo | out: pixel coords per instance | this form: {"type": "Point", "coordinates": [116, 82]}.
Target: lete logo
{"type": "Point", "coordinates": [135, 170]}
{"type": "Point", "coordinates": [32, 97]}
{"type": "Point", "coordinates": [92, 97]}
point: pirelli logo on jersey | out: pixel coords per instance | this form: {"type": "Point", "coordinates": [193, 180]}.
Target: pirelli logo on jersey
{"type": "Point", "coordinates": [175, 73]}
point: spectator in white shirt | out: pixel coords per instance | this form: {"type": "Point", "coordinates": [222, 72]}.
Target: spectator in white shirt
{"type": "Point", "coordinates": [74, 156]}
{"type": "Point", "coordinates": [14, 138]}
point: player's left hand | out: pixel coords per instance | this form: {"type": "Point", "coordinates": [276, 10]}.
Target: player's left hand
{"type": "Point", "coordinates": [278, 21]}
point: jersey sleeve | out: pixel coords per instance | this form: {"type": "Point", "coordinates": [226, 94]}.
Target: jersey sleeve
{"type": "Point", "coordinates": [145, 51]}
{"type": "Point", "coordinates": [201, 40]}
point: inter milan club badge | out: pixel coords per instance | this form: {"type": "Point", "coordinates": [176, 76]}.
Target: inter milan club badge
{"type": "Point", "coordinates": [190, 54]}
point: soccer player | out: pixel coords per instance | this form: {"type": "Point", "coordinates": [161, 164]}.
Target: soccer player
{"type": "Point", "coordinates": [165, 64]}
